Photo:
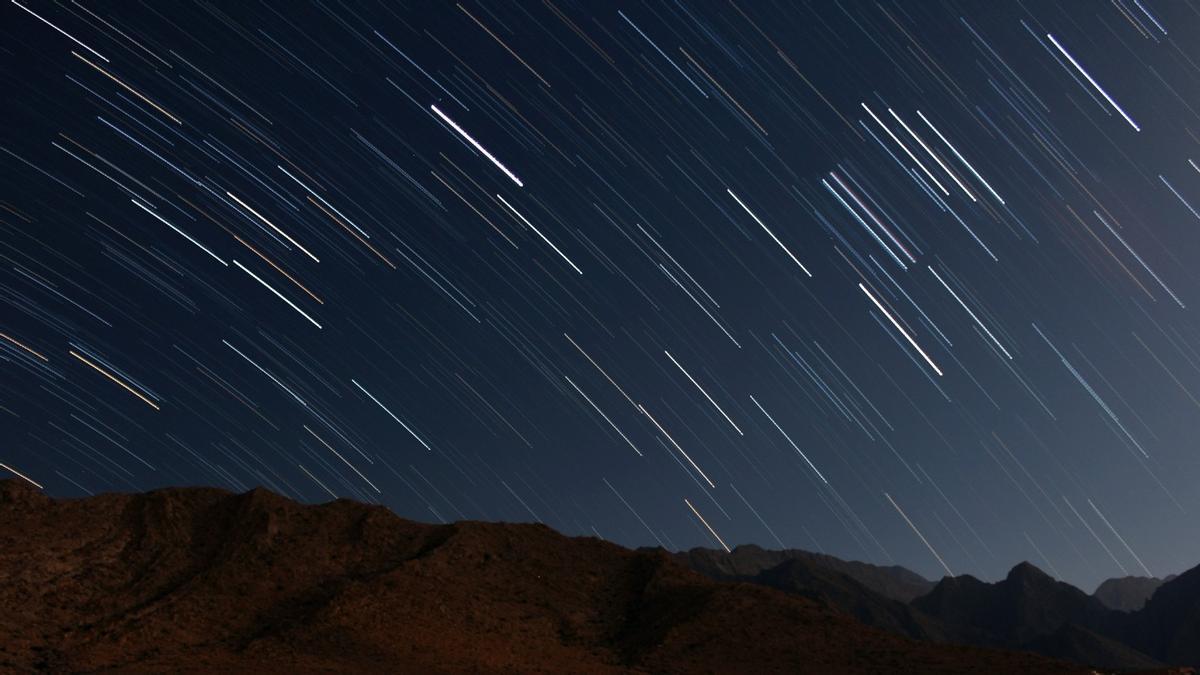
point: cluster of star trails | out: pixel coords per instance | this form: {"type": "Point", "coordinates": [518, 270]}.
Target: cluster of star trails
{"type": "Point", "coordinates": [916, 281]}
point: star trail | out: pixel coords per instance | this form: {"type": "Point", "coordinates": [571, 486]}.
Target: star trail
{"type": "Point", "coordinates": [913, 276]}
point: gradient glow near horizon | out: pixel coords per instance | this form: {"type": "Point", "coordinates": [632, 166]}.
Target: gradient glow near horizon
{"type": "Point", "coordinates": [910, 283]}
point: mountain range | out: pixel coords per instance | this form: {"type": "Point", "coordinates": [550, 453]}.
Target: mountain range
{"type": "Point", "coordinates": [1129, 623]}
{"type": "Point", "coordinates": [203, 580]}
{"type": "Point", "coordinates": [893, 582]}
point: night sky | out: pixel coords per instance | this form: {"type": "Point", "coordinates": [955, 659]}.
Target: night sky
{"type": "Point", "coordinates": [907, 282]}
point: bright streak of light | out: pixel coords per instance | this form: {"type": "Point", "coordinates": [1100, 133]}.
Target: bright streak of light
{"type": "Point", "coordinates": [677, 447]}
{"type": "Point", "coordinates": [789, 440]}
{"type": "Point", "coordinates": [764, 227]}
{"type": "Point", "coordinates": [903, 332]}
{"type": "Point", "coordinates": [114, 378]}
{"type": "Point", "coordinates": [1138, 257]}
{"type": "Point", "coordinates": [960, 157]}
{"type": "Point", "coordinates": [98, 55]}
{"type": "Point", "coordinates": [279, 269]}
{"type": "Point", "coordinates": [264, 371]}
{"type": "Point", "coordinates": [1120, 539]}
{"type": "Point", "coordinates": [277, 293]}
{"type": "Point", "coordinates": [662, 53]}
{"type": "Point", "coordinates": [393, 415]}
{"type": "Point", "coordinates": [905, 149]}
{"type": "Point", "coordinates": [317, 481]}
{"type": "Point", "coordinates": [185, 235]}
{"type": "Point", "coordinates": [698, 304]}
{"type": "Point", "coordinates": [1094, 83]}
{"type": "Point", "coordinates": [914, 529]}
{"type": "Point", "coordinates": [714, 532]}
{"type": "Point", "coordinates": [610, 422]}
{"type": "Point", "coordinates": [23, 346]}
{"type": "Point", "coordinates": [344, 460]}
{"type": "Point", "coordinates": [474, 143]}
{"type": "Point", "coordinates": [539, 233]}
{"type": "Point", "coordinates": [934, 156]}
{"type": "Point", "coordinates": [1097, 537]}
{"type": "Point", "coordinates": [862, 222]}
{"type": "Point", "coordinates": [964, 306]}
{"type": "Point", "coordinates": [602, 371]}
{"type": "Point", "coordinates": [23, 476]}
{"type": "Point", "coordinates": [310, 190]}
{"type": "Point", "coordinates": [130, 89]}
{"type": "Point", "coordinates": [710, 399]}
{"type": "Point", "coordinates": [1147, 13]}
{"type": "Point", "coordinates": [872, 216]}
{"type": "Point", "coordinates": [273, 227]}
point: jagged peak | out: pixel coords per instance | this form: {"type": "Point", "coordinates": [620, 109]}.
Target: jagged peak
{"type": "Point", "coordinates": [1028, 572]}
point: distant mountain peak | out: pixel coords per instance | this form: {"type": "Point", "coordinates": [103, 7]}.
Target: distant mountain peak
{"type": "Point", "coordinates": [1129, 593]}
{"type": "Point", "coordinates": [1027, 572]}
{"type": "Point", "coordinates": [748, 560]}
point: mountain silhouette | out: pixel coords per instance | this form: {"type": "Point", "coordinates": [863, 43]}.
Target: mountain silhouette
{"type": "Point", "coordinates": [1128, 594]}
{"type": "Point", "coordinates": [835, 589]}
{"type": "Point", "coordinates": [1168, 626]}
{"type": "Point", "coordinates": [1032, 611]}
{"type": "Point", "coordinates": [1027, 604]}
{"type": "Point", "coordinates": [202, 580]}
{"type": "Point", "coordinates": [895, 582]}
{"type": "Point", "coordinates": [1028, 610]}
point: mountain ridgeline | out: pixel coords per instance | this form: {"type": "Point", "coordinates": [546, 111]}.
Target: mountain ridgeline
{"type": "Point", "coordinates": [194, 580]}
{"type": "Point", "coordinates": [1130, 623]}
{"type": "Point", "coordinates": [1128, 594]}
{"type": "Point", "coordinates": [198, 580]}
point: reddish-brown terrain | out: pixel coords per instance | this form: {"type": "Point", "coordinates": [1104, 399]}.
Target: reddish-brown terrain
{"type": "Point", "coordinates": [202, 580]}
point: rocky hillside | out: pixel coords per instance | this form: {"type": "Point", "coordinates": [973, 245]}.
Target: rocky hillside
{"type": "Point", "coordinates": [201, 580]}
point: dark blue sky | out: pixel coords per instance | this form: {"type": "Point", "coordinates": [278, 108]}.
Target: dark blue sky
{"type": "Point", "coordinates": [904, 282]}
